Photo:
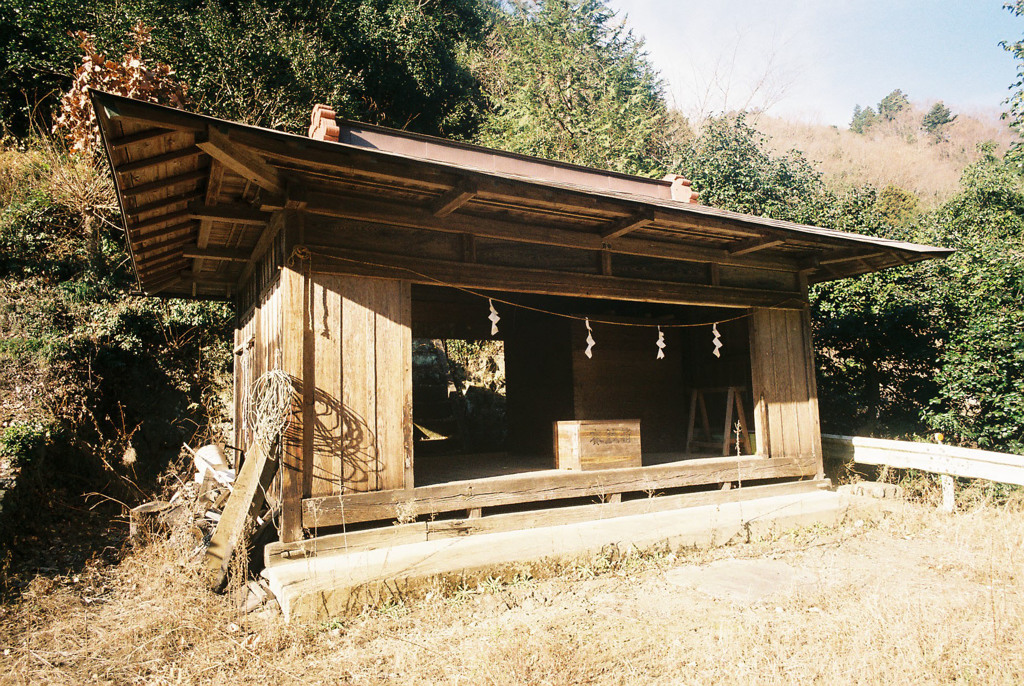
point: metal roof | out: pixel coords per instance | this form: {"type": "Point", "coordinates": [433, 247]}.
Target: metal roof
{"type": "Point", "coordinates": [198, 193]}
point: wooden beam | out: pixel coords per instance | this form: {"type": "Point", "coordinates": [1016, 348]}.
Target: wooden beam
{"type": "Point", "coordinates": [216, 254]}
{"type": "Point", "coordinates": [263, 243]}
{"type": "Point", "coordinates": [417, 532]}
{"type": "Point", "coordinates": [188, 277]}
{"type": "Point", "coordinates": [244, 505]}
{"type": "Point", "coordinates": [177, 240]}
{"type": "Point", "coordinates": [809, 264]}
{"type": "Point", "coordinates": [392, 214]}
{"type": "Point", "coordinates": [754, 244]}
{"type": "Point", "coordinates": [243, 161]}
{"type": "Point", "coordinates": [233, 214]}
{"type": "Point", "coordinates": [162, 204]}
{"type": "Point", "coordinates": [294, 325]}
{"type": "Point", "coordinates": [541, 486]}
{"type": "Point", "coordinates": [167, 158]}
{"type": "Point", "coordinates": [714, 274]}
{"type": "Point", "coordinates": [848, 255]}
{"type": "Point", "coordinates": [176, 244]}
{"type": "Point", "coordinates": [468, 247]}
{"type": "Point", "coordinates": [164, 117]}
{"type": "Point", "coordinates": [624, 226]}
{"type": "Point", "coordinates": [141, 240]}
{"type": "Point", "coordinates": [165, 184]}
{"type": "Point", "coordinates": [159, 220]}
{"type": "Point", "coordinates": [493, 277]}
{"type": "Point", "coordinates": [967, 463]}
{"type": "Point", "coordinates": [458, 196]}
{"type": "Point", "coordinates": [210, 197]}
{"type": "Point", "coordinates": [140, 137]}
{"type": "Point", "coordinates": [152, 265]}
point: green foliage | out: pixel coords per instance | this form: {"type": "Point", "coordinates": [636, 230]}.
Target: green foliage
{"type": "Point", "coordinates": [37, 55]}
{"type": "Point", "coordinates": [897, 206]}
{"type": "Point", "coordinates": [877, 347]}
{"type": "Point", "coordinates": [80, 354]}
{"type": "Point", "coordinates": [730, 165]}
{"type": "Point", "coordinates": [399, 63]}
{"type": "Point", "coordinates": [1015, 103]}
{"type": "Point", "coordinates": [862, 119]}
{"type": "Point", "coordinates": [936, 119]}
{"type": "Point", "coordinates": [567, 81]}
{"type": "Point", "coordinates": [20, 442]}
{"type": "Point", "coordinates": [892, 104]}
{"type": "Point", "coordinates": [980, 399]}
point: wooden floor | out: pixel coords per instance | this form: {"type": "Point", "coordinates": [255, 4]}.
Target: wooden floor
{"type": "Point", "coordinates": [438, 469]}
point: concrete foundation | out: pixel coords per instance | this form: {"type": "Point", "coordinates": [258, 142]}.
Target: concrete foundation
{"type": "Point", "coordinates": [318, 587]}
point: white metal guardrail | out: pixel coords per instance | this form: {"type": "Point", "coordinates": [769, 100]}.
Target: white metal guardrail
{"type": "Point", "coordinates": [941, 459]}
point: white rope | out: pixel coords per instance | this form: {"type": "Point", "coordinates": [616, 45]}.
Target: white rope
{"type": "Point", "coordinates": [268, 406]}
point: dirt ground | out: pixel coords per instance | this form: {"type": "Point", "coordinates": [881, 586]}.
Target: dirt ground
{"type": "Point", "coordinates": [912, 596]}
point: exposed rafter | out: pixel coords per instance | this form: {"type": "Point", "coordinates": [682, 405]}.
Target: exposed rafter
{"type": "Point", "coordinates": [240, 160]}
{"type": "Point", "coordinates": [167, 158]}
{"type": "Point", "coordinates": [624, 226]}
{"type": "Point", "coordinates": [165, 184]}
{"type": "Point", "coordinates": [216, 254]}
{"type": "Point", "coordinates": [234, 214]}
{"type": "Point", "coordinates": [754, 244]}
{"type": "Point", "coordinates": [140, 137]}
{"type": "Point", "coordinates": [454, 199]}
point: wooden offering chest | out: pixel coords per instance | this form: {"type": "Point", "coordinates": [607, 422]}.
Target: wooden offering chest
{"type": "Point", "coordinates": [591, 444]}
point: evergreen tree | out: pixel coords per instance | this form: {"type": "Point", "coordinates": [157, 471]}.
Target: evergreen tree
{"type": "Point", "coordinates": [892, 104]}
{"type": "Point", "coordinates": [936, 119]}
{"type": "Point", "coordinates": [862, 119]}
{"type": "Point", "coordinates": [568, 81]}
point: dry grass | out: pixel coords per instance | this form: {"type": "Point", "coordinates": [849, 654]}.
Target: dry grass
{"type": "Point", "coordinates": [914, 597]}
{"type": "Point", "coordinates": [898, 153]}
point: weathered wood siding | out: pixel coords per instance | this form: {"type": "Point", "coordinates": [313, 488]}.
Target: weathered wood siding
{"type": "Point", "coordinates": [357, 369]}
{"type": "Point", "coordinates": [257, 346]}
{"type": "Point", "coordinates": [785, 395]}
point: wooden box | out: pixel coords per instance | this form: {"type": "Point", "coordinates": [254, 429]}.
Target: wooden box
{"type": "Point", "coordinates": [593, 444]}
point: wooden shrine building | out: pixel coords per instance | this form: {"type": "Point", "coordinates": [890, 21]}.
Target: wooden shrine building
{"type": "Point", "coordinates": [342, 248]}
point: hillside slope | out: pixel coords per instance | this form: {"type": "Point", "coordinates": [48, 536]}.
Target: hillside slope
{"type": "Point", "coordinates": [897, 152]}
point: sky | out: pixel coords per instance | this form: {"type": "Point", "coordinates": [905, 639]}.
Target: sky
{"type": "Point", "coordinates": [815, 59]}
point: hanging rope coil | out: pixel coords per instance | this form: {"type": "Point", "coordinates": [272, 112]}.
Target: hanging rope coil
{"type": "Point", "coordinates": [268, 406]}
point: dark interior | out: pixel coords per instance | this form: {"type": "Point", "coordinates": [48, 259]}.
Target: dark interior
{"type": "Point", "coordinates": [548, 378]}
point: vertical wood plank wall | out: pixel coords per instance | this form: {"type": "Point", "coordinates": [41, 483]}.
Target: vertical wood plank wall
{"type": "Point", "coordinates": [785, 395]}
{"type": "Point", "coordinates": [357, 373]}
{"type": "Point", "coordinates": [257, 345]}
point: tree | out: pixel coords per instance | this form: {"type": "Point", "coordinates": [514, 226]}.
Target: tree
{"type": "Point", "coordinates": [896, 205]}
{"type": "Point", "coordinates": [37, 55]}
{"type": "Point", "coordinates": [399, 63]}
{"type": "Point", "coordinates": [980, 399]}
{"type": "Point", "coordinates": [131, 76]}
{"type": "Point", "coordinates": [1015, 103]}
{"type": "Point", "coordinates": [936, 119]}
{"type": "Point", "coordinates": [566, 81]}
{"type": "Point", "coordinates": [730, 165]}
{"type": "Point", "coordinates": [892, 104]}
{"type": "Point", "coordinates": [862, 119]}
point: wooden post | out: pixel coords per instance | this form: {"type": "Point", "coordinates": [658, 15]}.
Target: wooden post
{"type": "Point", "coordinates": [294, 325]}
{"type": "Point", "coordinates": [948, 493]}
